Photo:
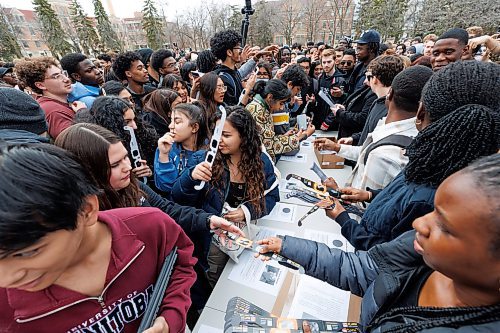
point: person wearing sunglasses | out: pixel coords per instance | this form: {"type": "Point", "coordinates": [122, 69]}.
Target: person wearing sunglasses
{"type": "Point", "coordinates": [7, 77]}
{"type": "Point", "coordinates": [347, 63]}
{"type": "Point", "coordinates": [45, 78]}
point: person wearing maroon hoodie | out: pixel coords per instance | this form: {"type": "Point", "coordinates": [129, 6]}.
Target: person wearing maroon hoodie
{"type": "Point", "coordinates": [44, 76]}
{"type": "Point", "coordinates": [66, 267]}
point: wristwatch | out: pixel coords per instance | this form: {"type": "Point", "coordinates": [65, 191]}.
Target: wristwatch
{"type": "Point", "coordinates": [208, 221]}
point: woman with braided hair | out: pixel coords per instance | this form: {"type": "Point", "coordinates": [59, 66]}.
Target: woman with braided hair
{"type": "Point", "coordinates": [458, 122]}
{"type": "Point", "coordinates": [444, 276]}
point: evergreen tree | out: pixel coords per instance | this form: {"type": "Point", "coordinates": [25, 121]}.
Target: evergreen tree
{"type": "Point", "coordinates": [55, 36]}
{"type": "Point", "coordinates": [89, 40]}
{"type": "Point", "coordinates": [109, 38]}
{"type": "Point", "coordinates": [152, 25]}
{"type": "Point", "coordinates": [9, 49]}
{"type": "Point", "coordinates": [439, 16]}
{"type": "Point", "coordinates": [386, 16]}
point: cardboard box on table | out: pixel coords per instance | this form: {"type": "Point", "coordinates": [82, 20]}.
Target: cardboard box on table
{"type": "Point", "coordinates": [329, 161]}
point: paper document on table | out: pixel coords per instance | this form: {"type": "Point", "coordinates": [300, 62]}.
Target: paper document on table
{"type": "Point", "coordinates": [282, 212]}
{"type": "Point", "coordinates": [332, 240]}
{"type": "Point", "coordinates": [299, 158]}
{"type": "Point", "coordinates": [209, 329]}
{"type": "Point", "coordinates": [315, 299]}
{"type": "Point", "coordinates": [266, 276]}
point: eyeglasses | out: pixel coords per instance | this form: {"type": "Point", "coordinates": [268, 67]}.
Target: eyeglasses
{"type": "Point", "coordinates": [222, 88]}
{"type": "Point", "coordinates": [343, 63]}
{"type": "Point", "coordinates": [172, 65]}
{"type": "Point", "coordinates": [263, 74]}
{"type": "Point", "coordinates": [59, 76]}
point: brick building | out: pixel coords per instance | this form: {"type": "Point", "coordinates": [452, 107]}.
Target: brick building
{"type": "Point", "coordinates": [28, 32]}
{"type": "Point", "coordinates": [312, 20]}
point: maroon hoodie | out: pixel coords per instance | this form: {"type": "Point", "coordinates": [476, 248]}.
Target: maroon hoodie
{"type": "Point", "coordinates": [59, 115]}
{"type": "Point", "coordinates": [141, 239]}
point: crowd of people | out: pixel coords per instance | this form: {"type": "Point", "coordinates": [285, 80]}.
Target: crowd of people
{"type": "Point", "coordinates": [102, 160]}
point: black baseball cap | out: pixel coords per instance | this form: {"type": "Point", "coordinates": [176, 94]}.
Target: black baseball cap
{"type": "Point", "coordinates": [369, 36]}
{"type": "Point", "coordinates": [5, 70]}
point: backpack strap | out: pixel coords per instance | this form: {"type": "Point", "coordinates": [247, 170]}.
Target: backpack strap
{"type": "Point", "coordinates": [231, 80]}
{"type": "Point", "coordinates": [391, 140]}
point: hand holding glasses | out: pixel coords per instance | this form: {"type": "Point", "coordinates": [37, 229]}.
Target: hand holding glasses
{"type": "Point", "coordinates": [214, 143]}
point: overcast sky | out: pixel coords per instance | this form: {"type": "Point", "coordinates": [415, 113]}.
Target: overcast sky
{"type": "Point", "coordinates": [126, 8]}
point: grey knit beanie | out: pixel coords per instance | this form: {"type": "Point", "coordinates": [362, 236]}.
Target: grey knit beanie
{"type": "Point", "coordinates": [20, 111]}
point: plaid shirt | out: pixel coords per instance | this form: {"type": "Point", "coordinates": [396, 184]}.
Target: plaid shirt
{"type": "Point", "coordinates": [385, 162]}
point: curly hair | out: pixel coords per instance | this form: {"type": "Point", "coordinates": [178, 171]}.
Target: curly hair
{"type": "Point", "coordinates": [33, 70]}
{"type": "Point", "coordinates": [206, 61]}
{"type": "Point", "coordinates": [108, 112]}
{"type": "Point", "coordinates": [223, 41]}
{"type": "Point", "coordinates": [386, 67]}
{"type": "Point", "coordinates": [250, 165]}
{"type": "Point", "coordinates": [71, 61]}
{"type": "Point", "coordinates": [90, 144]}
{"type": "Point", "coordinates": [295, 74]}
{"type": "Point", "coordinates": [158, 57]}
{"type": "Point", "coordinates": [123, 63]}
{"type": "Point", "coordinates": [451, 143]}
